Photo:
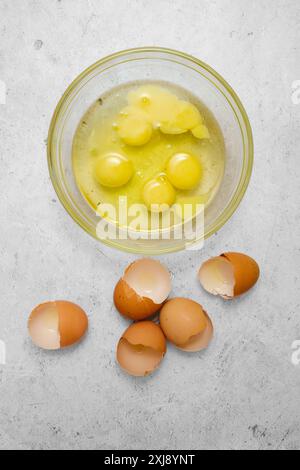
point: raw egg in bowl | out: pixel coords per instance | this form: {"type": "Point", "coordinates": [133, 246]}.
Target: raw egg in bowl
{"type": "Point", "coordinates": [155, 125]}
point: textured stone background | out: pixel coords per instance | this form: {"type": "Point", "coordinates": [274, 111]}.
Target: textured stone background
{"type": "Point", "coordinates": [244, 391]}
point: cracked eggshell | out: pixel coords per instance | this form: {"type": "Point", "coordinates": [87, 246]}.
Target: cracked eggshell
{"type": "Point", "coordinates": [186, 324]}
{"type": "Point", "coordinates": [229, 275]}
{"type": "Point", "coordinates": [141, 348]}
{"type": "Point", "coordinates": [202, 340]}
{"type": "Point", "coordinates": [58, 324]}
{"type": "Point", "coordinates": [143, 289]}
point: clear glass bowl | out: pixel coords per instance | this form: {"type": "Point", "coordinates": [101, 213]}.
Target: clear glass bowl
{"type": "Point", "coordinates": [152, 63]}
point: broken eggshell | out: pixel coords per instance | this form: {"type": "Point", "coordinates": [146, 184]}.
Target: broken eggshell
{"type": "Point", "coordinates": [57, 324]}
{"type": "Point", "coordinates": [143, 289]}
{"type": "Point", "coordinates": [141, 348]}
{"type": "Point", "coordinates": [229, 275]}
{"type": "Point", "coordinates": [200, 341]}
{"type": "Point", "coordinates": [186, 324]}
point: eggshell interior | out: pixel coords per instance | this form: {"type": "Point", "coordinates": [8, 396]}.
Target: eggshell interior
{"type": "Point", "coordinates": [149, 278]}
{"type": "Point", "coordinates": [141, 348]}
{"type": "Point", "coordinates": [200, 341]}
{"type": "Point", "coordinates": [216, 276]}
{"type": "Point", "coordinates": [43, 326]}
{"type": "Point", "coordinates": [181, 319]}
{"type": "Point", "coordinates": [229, 275]}
{"type": "Point", "coordinates": [137, 360]}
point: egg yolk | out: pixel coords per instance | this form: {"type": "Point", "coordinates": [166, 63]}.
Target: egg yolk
{"type": "Point", "coordinates": [159, 104]}
{"type": "Point", "coordinates": [135, 130]}
{"type": "Point", "coordinates": [184, 171]}
{"type": "Point", "coordinates": [159, 194]}
{"type": "Point", "coordinates": [185, 117]}
{"type": "Point", "coordinates": [201, 132]}
{"type": "Point", "coordinates": [171, 128]}
{"type": "Point", "coordinates": [113, 170]}
{"type": "Point", "coordinates": [188, 115]}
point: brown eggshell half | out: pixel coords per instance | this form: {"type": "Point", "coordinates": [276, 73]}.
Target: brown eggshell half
{"type": "Point", "coordinates": [229, 275]}
{"type": "Point", "coordinates": [199, 342]}
{"type": "Point", "coordinates": [141, 348]}
{"type": "Point", "coordinates": [54, 325]}
{"type": "Point", "coordinates": [181, 319]}
{"type": "Point", "coordinates": [73, 322]}
{"type": "Point", "coordinates": [245, 270]}
{"type": "Point", "coordinates": [131, 305]}
{"type": "Point", "coordinates": [146, 333]}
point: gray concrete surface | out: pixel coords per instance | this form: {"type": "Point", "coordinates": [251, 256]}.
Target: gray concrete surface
{"type": "Point", "coordinates": [243, 393]}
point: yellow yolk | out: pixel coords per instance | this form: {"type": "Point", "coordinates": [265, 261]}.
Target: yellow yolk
{"type": "Point", "coordinates": [159, 194]}
{"type": "Point", "coordinates": [185, 117]}
{"type": "Point", "coordinates": [113, 170]}
{"type": "Point", "coordinates": [188, 115]}
{"type": "Point", "coordinates": [184, 171]}
{"type": "Point", "coordinates": [171, 127]}
{"type": "Point", "coordinates": [134, 127]}
{"type": "Point", "coordinates": [157, 102]}
{"type": "Point", "coordinates": [200, 132]}
{"type": "Point", "coordinates": [171, 115]}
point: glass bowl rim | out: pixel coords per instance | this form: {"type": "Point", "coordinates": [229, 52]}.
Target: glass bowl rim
{"type": "Point", "coordinates": [245, 175]}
